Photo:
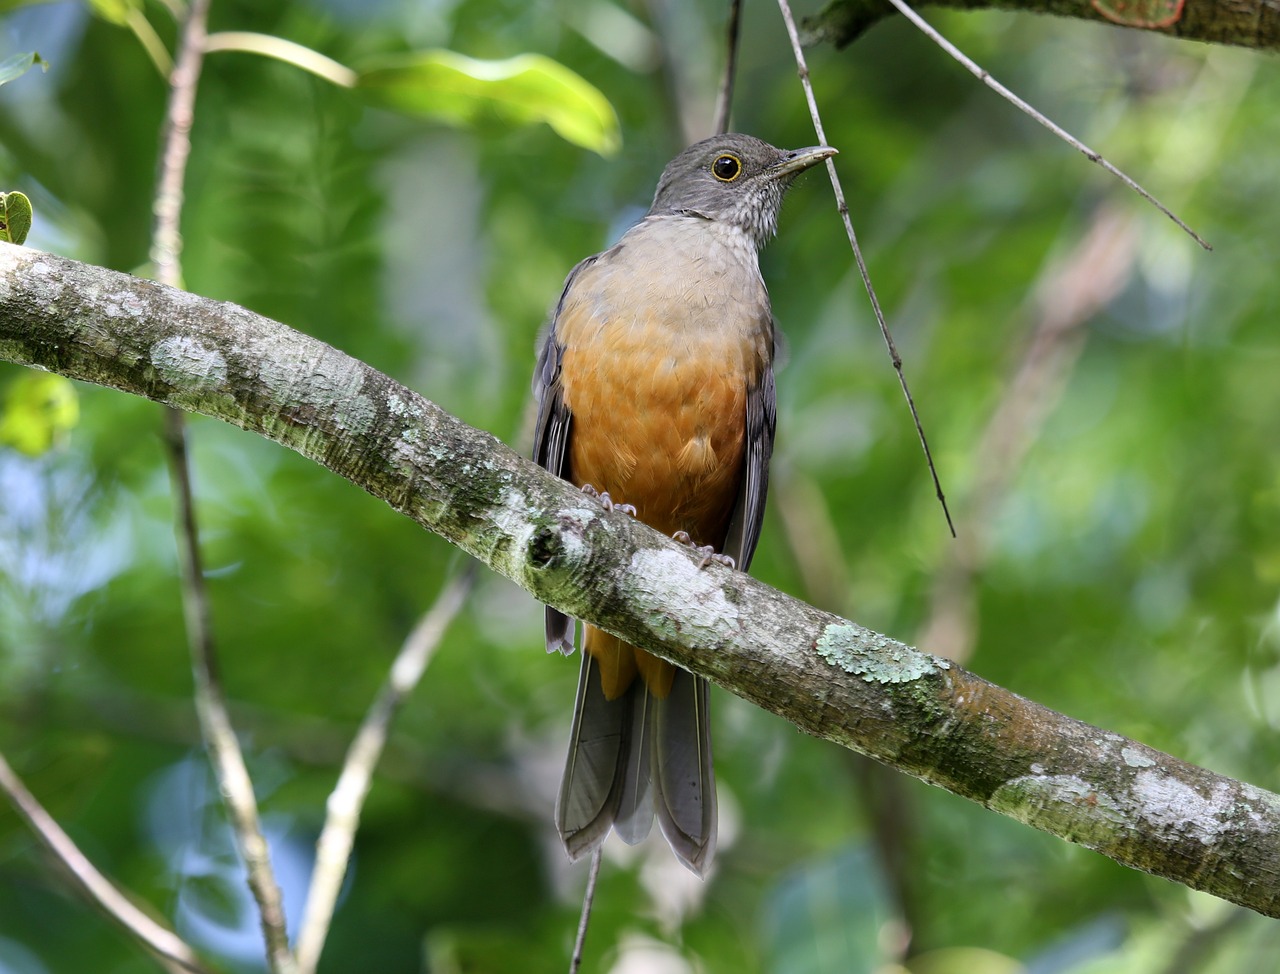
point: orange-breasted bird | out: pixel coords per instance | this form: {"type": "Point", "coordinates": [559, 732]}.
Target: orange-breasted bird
{"type": "Point", "coordinates": [655, 386]}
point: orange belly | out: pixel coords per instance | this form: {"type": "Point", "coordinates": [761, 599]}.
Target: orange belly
{"type": "Point", "coordinates": [666, 435]}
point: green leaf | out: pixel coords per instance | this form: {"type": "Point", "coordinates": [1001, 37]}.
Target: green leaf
{"type": "Point", "coordinates": [20, 64]}
{"type": "Point", "coordinates": [15, 217]}
{"type": "Point", "coordinates": [525, 89]}
{"type": "Point", "coordinates": [40, 409]}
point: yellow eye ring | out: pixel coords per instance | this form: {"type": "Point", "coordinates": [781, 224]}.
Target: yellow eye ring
{"type": "Point", "coordinates": [727, 167]}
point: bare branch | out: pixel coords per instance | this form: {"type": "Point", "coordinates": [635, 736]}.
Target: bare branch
{"type": "Point", "coordinates": [828, 676]}
{"type": "Point", "coordinates": [234, 783]}
{"type": "Point", "coordinates": [175, 147]}
{"type": "Point", "coordinates": [215, 724]}
{"type": "Point", "coordinates": [169, 948]}
{"type": "Point", "coordinates": [333, 848]}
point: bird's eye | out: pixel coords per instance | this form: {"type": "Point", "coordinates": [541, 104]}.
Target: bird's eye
{"type": "Point", "coordinates": [726, 168]}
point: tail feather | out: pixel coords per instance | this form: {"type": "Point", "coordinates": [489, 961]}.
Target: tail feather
{"type": "Point", "coordinates": [634, 820]}
{"type": "Point", "coordinates": [636, 755]}
{"type": "Point", "coordinates": [559, 631]}
{"type": "Point", "coordinates": [684, 780]}
{"type": "Point", "coordinates": [599, 746]}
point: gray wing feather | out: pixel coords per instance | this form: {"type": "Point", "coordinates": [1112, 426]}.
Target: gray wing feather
{"type": "Point", "coordinates": [551, 442]}
{"type": "Point", "coordinates": [748, 511]}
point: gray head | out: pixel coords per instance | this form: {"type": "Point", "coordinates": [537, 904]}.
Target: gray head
{"type": "Point", "coordinates": [734, 179]}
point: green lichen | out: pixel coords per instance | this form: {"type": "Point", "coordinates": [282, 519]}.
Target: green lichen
{"type": "Point", "coordinates": [875, 658]}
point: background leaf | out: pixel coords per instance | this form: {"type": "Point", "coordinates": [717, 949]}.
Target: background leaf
{"type": "Point", "coordinates": [15, 217]}
{"type": "Point", "coordinates": [523, 89]}
{"type": "Point", "coordinates": [19, 64]}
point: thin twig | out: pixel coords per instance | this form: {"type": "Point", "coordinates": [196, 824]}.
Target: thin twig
{"type": "Point", "coordinates": [225, 755]}
{"type": "Point", "coordinates": [171, 949]}
{"type": "Point", "coordinates": [803, 70]}
{"type": "Point", "coordinates": [175, 147]}
{"type": "Point", "coordinates": [1071, 291]}
{"type": "Point", "coordinates": [588, 897]}
{"type": "Point", "coordinates": [724, 99]}
{"type": "Point", "coordinates": [985, 77]}
{"type": "Point", "coordinates": [224, 750]}
{"type": "Point", "coordinates": [333, 848]}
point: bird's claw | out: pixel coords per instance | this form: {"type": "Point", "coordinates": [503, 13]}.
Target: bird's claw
{"type": "Point", "coordinates": [709, 554]}
{"type": "Point", "coordinates": [607, 502]}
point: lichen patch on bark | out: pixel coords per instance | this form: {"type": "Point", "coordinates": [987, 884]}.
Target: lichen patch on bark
{"type": "Point", "coordinates": [189, 365]}
{"type": "Point", "coordinates": [875, 658]}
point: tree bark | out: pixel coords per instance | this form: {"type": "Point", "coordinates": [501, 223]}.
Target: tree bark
{"type": "Point", "coordinates": [828, 676]}
{"type": "Point", "coordinates": [1242, 23]}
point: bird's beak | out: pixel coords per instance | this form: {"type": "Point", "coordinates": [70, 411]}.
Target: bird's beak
{"type": "Point", "coordinates": [797, 160]}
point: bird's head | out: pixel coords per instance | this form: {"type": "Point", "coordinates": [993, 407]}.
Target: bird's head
{"type": "Point", "coordinates": [734, 179]}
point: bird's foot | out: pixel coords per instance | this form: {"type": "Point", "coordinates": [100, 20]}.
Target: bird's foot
{"type": "Point", "coordinates": [607, 502]}
{"type": "Point", "coordinates": [709, 554]}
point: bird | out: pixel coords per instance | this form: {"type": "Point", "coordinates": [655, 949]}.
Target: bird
{"type": "Point", "coordinates": [655, 392]}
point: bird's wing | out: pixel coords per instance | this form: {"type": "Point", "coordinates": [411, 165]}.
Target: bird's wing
{"type": "Point", "coordinates": [748, 511]}
{"type": "Point", "coordinates": [551, 439]}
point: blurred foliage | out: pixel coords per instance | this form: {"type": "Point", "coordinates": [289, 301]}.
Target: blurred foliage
{"type": "Point", "coordinates": [1128, 573]}
{"type": "Point", "coordinates": [39, 411]}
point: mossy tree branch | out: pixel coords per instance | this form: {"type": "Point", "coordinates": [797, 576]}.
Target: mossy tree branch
{"type": "Point", "coordinates": [1242, 23]}
{"type": "Point", "coordinates": [828, 676]}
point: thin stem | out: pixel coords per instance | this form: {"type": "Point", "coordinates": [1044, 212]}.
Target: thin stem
{"type": "Point", "coordinates": [225, 755]}
{"type": "Point", "coordinates": [588, 898]}
{"type": "Point", "coordinates": [175, 148]}
{"type": "Point", "coordinates": [1070, 292]}
{"type": "Point", "coordinates": [724, 99]}
{"type": "Point", "coordinates": [333, 848]}
{"type": "Point", "coordinates": [894, 357]}
{"type": "Point", "coordinates": [985, 77]}
{"type": "Point", "coordinates": [282, 50]}
{"type": "Point", "coordinates": [215, 724]}
{"type": "Point", "coordinates": [171, 949]}
{"type": "Point", "coordinates": [137, 22]}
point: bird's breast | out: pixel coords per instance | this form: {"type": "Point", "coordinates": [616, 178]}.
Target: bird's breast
{"type": "Point", "coordinates": [662, 338]}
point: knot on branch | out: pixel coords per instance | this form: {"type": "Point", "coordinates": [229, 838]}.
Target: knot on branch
{"type": "Point", "coordinates": [558, 545]}
{"type": "Point", "coordinates": [544, 547]}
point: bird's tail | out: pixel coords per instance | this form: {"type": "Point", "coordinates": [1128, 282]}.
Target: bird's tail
{"type": "Point", "coordinates": [637, 753]}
